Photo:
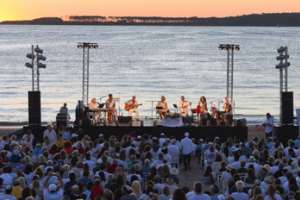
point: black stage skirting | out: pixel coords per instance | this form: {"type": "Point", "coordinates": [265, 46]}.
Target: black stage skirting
{"type": "Point", "coordinates": [238, 133]}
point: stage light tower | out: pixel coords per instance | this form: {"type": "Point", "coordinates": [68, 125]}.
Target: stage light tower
{"type": "Point", "coordinates": [85, 46]}
{"type": "Point", "coordinates": [230, 48]}
{"type": "Point", "coordinates": [35, 56]}
{"type": "Point", "coordinates": [283, 73]}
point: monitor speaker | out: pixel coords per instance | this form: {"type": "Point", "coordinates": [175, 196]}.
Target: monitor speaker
{"type": "Point", "coordinates": [287, 108]}
{"type": "Point", "coordinates": [34, 108]}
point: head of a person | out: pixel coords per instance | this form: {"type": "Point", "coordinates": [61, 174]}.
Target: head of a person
{"type": "Point", "coordinates": [182, 98]}
{"type": "Point", "coordinates": [110, 96]}
{"type": "Point", "coordinates": [214, 189]}
{"type": "Point", "coordinates": [72, 176]}
{"type": "Point", "coordinates": [49, 127]}
{"type": "Point", "coordinates": [226, 100]}
{"type": "Point", "coordinates": [239, 186]}
{"type": "Point", "coordinates": [94, 100]}
{"type": "Point", "coordinates": [136, 187]}
{"type": "Point", "coordinates": [203, 99]}
{"type": "Point", "coordinates": [198, 188]}
{"type": "Point", "coordinates": [52, 188]}
{"type": "Point", "coordinates": [179, 195]}
{"type": "Point", "coordinates": [186, 134]}
{"type": "Point", "coordinates": [65, 105]}
{"type": "Point", "coordinates": [268, 115]}
{"type": "Point", "coordinates": [133, 98]}
{"type": "Point", "coordinates": [163, 98]}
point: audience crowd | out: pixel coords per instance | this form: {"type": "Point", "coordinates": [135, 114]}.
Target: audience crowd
{"type": "Point", "coordinates": [71, 166]}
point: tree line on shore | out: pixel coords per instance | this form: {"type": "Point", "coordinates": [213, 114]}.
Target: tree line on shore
{"type": "Point", "coordinates": [270, 19]}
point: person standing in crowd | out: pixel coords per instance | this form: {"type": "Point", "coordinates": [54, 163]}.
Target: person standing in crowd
{"type": "Point", "coordinates": [268, 125]}
{"type": "Point", "coordinates": [187, 148]}
{"type": "Point", "coordinates": [50, 136]}
{"type": "Point", "coordinates": [240, 193]}
{"type": "Point", "coordinates": [65, 111]}
{"type": "Point", "coordinates": [174, 152]}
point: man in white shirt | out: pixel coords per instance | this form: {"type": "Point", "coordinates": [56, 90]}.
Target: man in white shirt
{"type": "Point", "coordinates": [50, 136]}
{"type": "Point", "coordinates": [174, 151]}
{"type": "Point", "coordinates": [268, 124]}
{"type": "Point", "coordinates": [187, 150]}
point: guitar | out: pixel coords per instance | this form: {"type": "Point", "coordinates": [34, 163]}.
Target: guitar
{"type": "Point", "coordinates": [128, 106]}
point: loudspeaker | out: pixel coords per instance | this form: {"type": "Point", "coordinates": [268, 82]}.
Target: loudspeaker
{"type": "Point", "coordinates": [34, 108]}
{"type": "Point", "coordinates": [287, 108]}
{"type": "Point", "coordinates": [124, 119]}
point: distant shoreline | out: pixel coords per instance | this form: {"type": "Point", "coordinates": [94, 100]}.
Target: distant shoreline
{"type": "Point", "coordinates": [259, 20]}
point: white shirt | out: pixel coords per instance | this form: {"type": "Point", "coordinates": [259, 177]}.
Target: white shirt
{"type": "Point", "coordinates": [7, 197]}
{"type": "Point", "coordinates": [187, 146]}
{"type": "Point", "coordinates": [7, 179]}
{"type": "Point", "coordinates": [51, 135]}
{"type": "Point", "coordinates": [240, 196]}
{"type": "Point", "coordinates": [269, 125]}
{"type": "Point", "coordinates": [174, 151]}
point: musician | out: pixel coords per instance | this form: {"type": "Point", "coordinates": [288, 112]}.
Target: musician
{"type": "Point", "coordinates": [202, 110]}
{"type": "Point", "coordinates": [65, 111]}
{"type": "Point", "coordinates": [214, 115]}
{"type": "Point", "coordinates": [227, 107]}
{"type": "Point", "coordinates": [183, 107]}
{"type": "Point", "coordinates": [93, 105]}
{"type": "Point", "coordinates": [111, 109]}
{"type": "Point", "coordinates": [162, 107]}
{"type": "Point", "coordinates": [132, 107]}
{"type": "Point", "coordinates": [228, 115]}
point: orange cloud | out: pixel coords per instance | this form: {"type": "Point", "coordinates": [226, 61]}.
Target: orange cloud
{"type": "Point", "coordinates": [28, 9]}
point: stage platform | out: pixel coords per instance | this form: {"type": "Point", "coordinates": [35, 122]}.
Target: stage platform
{"type": "Point", "coordinates": [239, 133]}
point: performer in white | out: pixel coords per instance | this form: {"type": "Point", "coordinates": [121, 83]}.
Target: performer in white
{"type": "Point", "coordinates": [131, 107]}
{"type": "Point", "coordinates": [183, 107]}
{"type": "Point", "coordinates": [93, 105]}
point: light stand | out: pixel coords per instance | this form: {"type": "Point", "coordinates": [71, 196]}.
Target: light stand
{"type": "Point", "coordinates": [34, 96]}
{"type": "Point", "coordinates": [230, 48]}
{"type": "Point", "coordinates": [36, 56]}
{"type": "Point", "coordinates": [85, 68]}
{"type": "Point", "coordinates": [283, 73]}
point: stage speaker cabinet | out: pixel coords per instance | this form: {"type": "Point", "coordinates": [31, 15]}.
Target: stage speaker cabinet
{"type": "Point", "coordinates": [34, 108]}
{"type": "Point", "coordinates": [124, 119]}
{"type": "Point", "coordinates": [287, 108]}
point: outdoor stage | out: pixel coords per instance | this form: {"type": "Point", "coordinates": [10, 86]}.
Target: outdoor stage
{"type": "Point", "coordinates": [239, 133]}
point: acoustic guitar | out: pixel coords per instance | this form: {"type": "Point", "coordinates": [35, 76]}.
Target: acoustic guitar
{"type": "Point", "coordinates": [129, 106]}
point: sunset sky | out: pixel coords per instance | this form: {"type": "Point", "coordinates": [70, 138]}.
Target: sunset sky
{"type": "Point", "coordinates": [28, 9]}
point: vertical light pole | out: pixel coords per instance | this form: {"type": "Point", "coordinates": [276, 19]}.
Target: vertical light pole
{"type": "Point", "coordinates": [34, 96]}
{"type": "Point", "coordinates": [230, 48]}
{"type": "Point", "coordinates": [31, 56]}
{"type": "Point", "coordinates": [283, 73]}
{"type": "Point", "coordinates": [35, 56]}
{"type": "Point", "coordinates": [39, 58]}
{"type": "Point", "coordinates": [85, 46]}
